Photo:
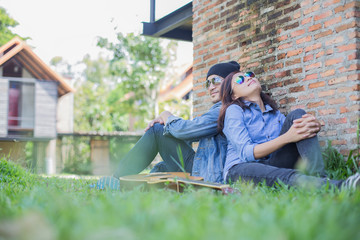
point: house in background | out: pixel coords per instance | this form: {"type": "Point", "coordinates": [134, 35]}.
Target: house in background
{"type": "Point", "coordinates": [182, 89]}
{"type": "Point", "coordinates": [35, 104]}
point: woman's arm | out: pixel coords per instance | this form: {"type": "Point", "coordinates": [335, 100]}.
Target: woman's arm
{"type": "Point", "coordinates": [294, 134]}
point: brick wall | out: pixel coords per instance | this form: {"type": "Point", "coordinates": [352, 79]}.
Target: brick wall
{"type": "Point", "coordinates": [306, 54]}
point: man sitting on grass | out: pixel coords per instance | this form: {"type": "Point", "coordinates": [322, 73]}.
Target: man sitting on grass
{"type": "Point", "coordinates": [167, 134]}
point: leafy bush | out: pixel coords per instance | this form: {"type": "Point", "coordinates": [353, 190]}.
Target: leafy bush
{"type": "Point", "coordinates": [336, 166]}
{"type": "Point", "coordinates": [11, 173]}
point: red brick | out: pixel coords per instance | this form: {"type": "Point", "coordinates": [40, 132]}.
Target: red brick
{"type": "Point", "coordinates": [317, 85]}
{"type": "Point", "coordinates": [352, 56]}
{"type": "Point", "coordinates": [292, 62]}
{"type": "Point", "coordinates": [284, 46]}
{"type": "Point", "coordinates": [281, 56]}
{"type": "Point", "coordinates": [334, 41]}
{"type": "Point", "coordinates": [334, 121]}
{"type": "Point", "coordinates": [313, 47]}
{"type": "Point", "coordinates": [330, 2]}
{"type": "Point", "coordinates": [343, 110]}
{"type": "Point", "coordinates": [312, 66]}
{"type": "Point", "coordinates": [297, 89]}
{"type": "Point", "coordinates": [297, 33]}
{"type": "Point", "coordinates": [356, 87]}
{"type": "Point", "coordinates": [352, 67]}
{"type": "Point", "coordinates": [355, 97]}
{"type": "Point", "coordinates": [319, 54]}
{"type": "Point", "coordinates": [350, 130]}
{"type": "Point", "coordinates": [304, 39]}
{"type": "Point", "coordinates": [344, 90]}
{"type": "Point", "coordinates": [337, 101]}
{"type": "Point", "coordinates": [329, 51]}
{"type": "Point", "coordinates": [355, 108]}
{"type": "Point", "coordinates": [291, 81]}
{"type": "Point", "coordinates": [294, 52]}
{"type": "Point", "coordinates": [305, 3]}
{"type": "Point", "coordinates": [287, 100]}
{"type": "Point", "coordinates": [282, 74]}
{"type": "Point", "coordinates": [311, 76]}
{"type": "Point", "coordinates": [219, 52]}
{"type": "Point", "coordinates": [337, 80]}
{"type": "Point", "coordinates": [207, 57]}
{"type": "Point", "coordinates": [315, 27]}
{"type": "Point", "coordinates": [306, 97]}
{"type": "Point", "coordinates": [315, 104]}
{"type": "Point", "coordinates": [326, 93]}
{"type": "Point", "coordinates": [306, 20]}
{"type": "Point", "coordinates": [297, 70]}
{"type": "Point", "coordinates": [347, 47]}
{"type": "Point", "coordinates": [308, 57]}
{"type": "Point", "coordinates": [338, 142]}
{"type": "Point", "coordinates": [201, 94]}
{"type": "Point", "coordinates": [345, 7]}
{"type": "Point", "coordinates": [276, 66]}
{"type": "Point", "coordinates": [282, 38]}
{"type": "Point", "coordinates": [322, 15]}
{"type": "Point", "coordinates": [333, 61]}
{"type": "Point", "coordinates": [311, 9]}
{"type": "Point", "coordinates": [323, 34]}
{"type": "Point", "coordinates": [346, 26]}
{"type": "Point", "coordinates": [302, 106]}
{"type": "Point", "coordinates": [353, 77]}
{"type": "Point", "coordinates": [327, 111]}
{"type": "Point", "coordinates": [328, 73]}
{"type": "Point", "coordinates": [332, 21]}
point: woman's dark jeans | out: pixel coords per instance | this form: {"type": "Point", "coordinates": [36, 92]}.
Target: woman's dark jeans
{"type": "Point", "coordinates": [148, 146]}
{"type": "Point", "coordinates": [283, 161]}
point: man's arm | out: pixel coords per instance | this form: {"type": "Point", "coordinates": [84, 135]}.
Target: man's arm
{"type": "Point", "coordinates": [195, 129]}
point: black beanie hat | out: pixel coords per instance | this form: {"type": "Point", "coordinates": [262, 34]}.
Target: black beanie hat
{"type": "Point", "coordinates": [223, 69]}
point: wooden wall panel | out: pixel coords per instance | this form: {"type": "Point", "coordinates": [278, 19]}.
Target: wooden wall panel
{"type": "Point", "coordinates": [45, 109]}
{"type": "Point", "coordinates": [4, 103]}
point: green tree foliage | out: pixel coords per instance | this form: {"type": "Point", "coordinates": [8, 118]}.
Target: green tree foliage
{"type": "Point", "coordinates": [138, 64]}
{"type": "Point", "coordinates": [6, 23]}
{"type": "Point", "coordinates": [92, 110]}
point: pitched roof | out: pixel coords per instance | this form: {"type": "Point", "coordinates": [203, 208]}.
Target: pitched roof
{"type": "Point", "coordinates": [179, 90]}
{"type": "Point", "coordinates": [20, 51]}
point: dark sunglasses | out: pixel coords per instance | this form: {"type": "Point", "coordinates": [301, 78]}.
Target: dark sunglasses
{"type": "Point", "coordinates": [215, 80]}
{"type": "Point", "coordinates": [240, 79]}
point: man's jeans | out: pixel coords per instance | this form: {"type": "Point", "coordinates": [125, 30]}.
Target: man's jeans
{"type": "Point", "coordinates": [148, 146]}
{"type": "Point", "coordinates": [282, 162]}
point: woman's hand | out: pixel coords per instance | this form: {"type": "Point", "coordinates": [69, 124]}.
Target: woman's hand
{"type": "Point", "coordinates": [296, 133]}
{"type": "Point", "coordinates": [307, 124]}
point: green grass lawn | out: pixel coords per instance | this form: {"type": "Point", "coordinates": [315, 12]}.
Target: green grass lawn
{"type": "Point", "coordinates": [34, 207]}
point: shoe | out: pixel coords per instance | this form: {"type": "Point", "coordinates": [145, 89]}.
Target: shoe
{"type": "Point", "coordinates": [352, 182]}
{"type": "Point", "coordinates": [108, 183]}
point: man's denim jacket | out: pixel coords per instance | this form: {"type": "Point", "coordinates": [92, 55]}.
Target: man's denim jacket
{"type": "Point", "coordinates": [210, 156]}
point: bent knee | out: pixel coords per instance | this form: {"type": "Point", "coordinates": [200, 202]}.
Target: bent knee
{"type": "Point", "coordinates": [297, 113]}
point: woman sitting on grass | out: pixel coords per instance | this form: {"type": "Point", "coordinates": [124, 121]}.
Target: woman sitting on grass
{"type": "Point", "coordinates": [263, 144]}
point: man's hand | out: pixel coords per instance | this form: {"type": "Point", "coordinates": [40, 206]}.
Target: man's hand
{"type": "Point", "coordinates": [307, 125]}
{"type": "Point", "coordinates": [162, 119]}
{"type": "Point", "coordinates": [156, 120]}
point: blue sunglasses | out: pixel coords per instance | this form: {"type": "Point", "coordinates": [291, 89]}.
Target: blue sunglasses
{"type": "Point", "coordinates": [240, 79]}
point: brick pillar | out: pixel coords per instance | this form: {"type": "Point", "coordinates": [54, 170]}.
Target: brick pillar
{"type": "Point", "coordinates": [304, 52]}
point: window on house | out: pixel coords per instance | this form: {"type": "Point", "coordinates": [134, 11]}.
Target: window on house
{"type": "Point", "coordinates": [21, 109]}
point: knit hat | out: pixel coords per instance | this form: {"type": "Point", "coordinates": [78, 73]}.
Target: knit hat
{"type": "Point", "coordinates": [223, 69]}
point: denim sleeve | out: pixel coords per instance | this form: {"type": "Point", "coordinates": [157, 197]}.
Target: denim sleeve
{"type": "Point", "coordinates": [237, 134]}
{"type": "Point", "coordinates": [193, 130]}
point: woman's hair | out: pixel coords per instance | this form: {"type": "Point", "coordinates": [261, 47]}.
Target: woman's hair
{"type": "Point", "coordinates": [227, 100]}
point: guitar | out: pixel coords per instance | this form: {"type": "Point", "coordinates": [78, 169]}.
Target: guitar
{"type": "Point", "coordinates": [171, 180]}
